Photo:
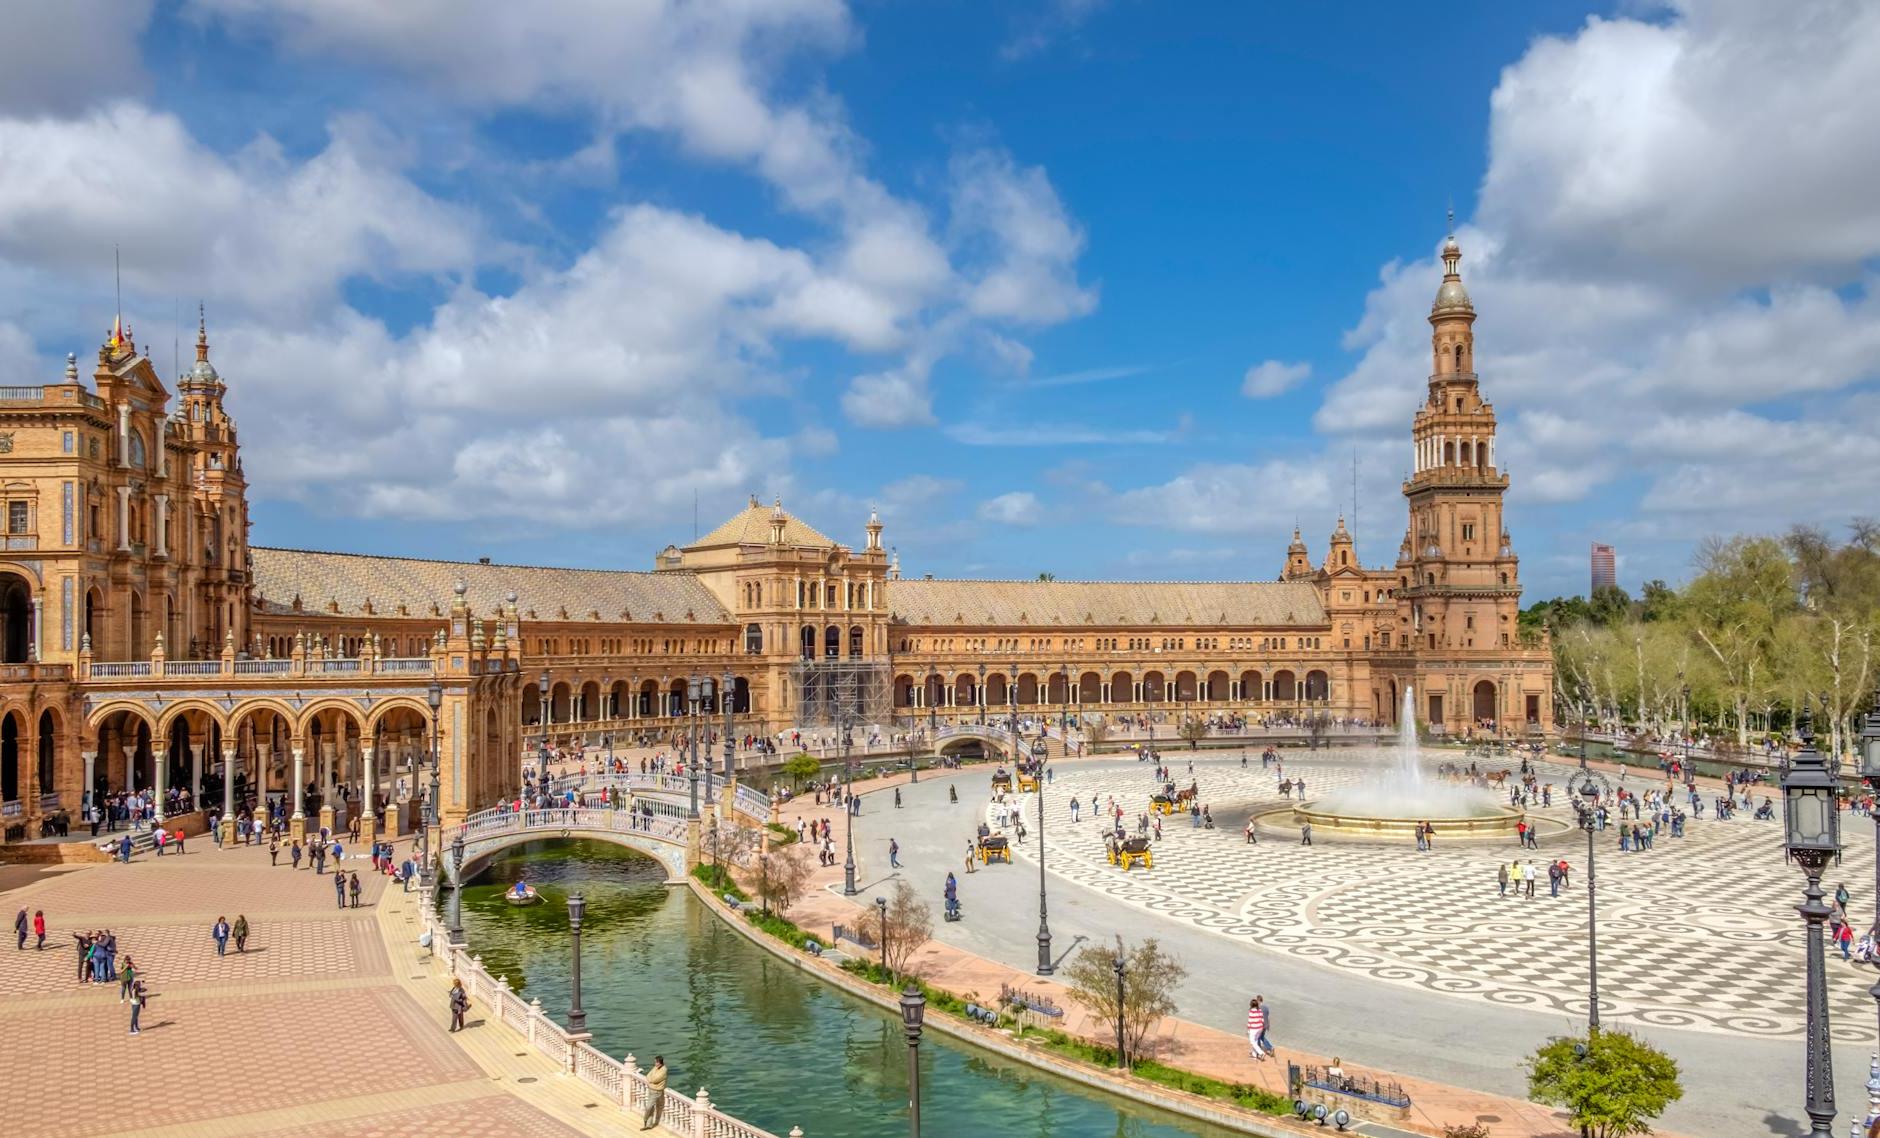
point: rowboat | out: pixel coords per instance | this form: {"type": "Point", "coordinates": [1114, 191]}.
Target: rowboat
{"type": "Point", "coordinates": [521, 895]}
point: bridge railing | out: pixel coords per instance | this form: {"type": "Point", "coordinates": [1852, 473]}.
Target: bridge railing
{"type": "Point", "coordinates": [749, 801]}
{"type": "Point", "coordinates": [667, 825]}
{"type": "Point", "coordinates": [619, 1081]}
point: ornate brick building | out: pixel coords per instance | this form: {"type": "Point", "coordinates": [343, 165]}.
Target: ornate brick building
{"type": "Point", "coordinates": [146, 644]}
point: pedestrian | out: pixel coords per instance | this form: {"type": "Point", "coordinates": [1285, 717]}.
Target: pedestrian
{"type": "Point", "coordinates": [459, 1004]}
{"type": "Point", "coordinates": [339, 889]}
{"type": "Point", "coordinates": [1305, 833]}
{"type": "Point", "coordinates": [655, 1093]}
{"type": "Point", "coordinates": [353, 887]}
{"type": "Point", "coordinates": [220, 933]}
{"type": "Point", "coordinates": [1258, 1045]}
{"type": "Point", "coordinates": [19, 926]}
{"type": "Point", "coordinates": [241, 933]}
{"type": "Point", "coordinates": [894, 854]}
{"type": "Point", "coordinates": [1528, 875]}
{"type": "Point", "coordinates": [293, 855]}
{"type": "Point", "coordinates": [274, 851]}
{"type": "Point", "coordinates": [1501, 878]}
{"type": "Point", "coordinates": [139, 995]}
{"type": "Point", "coordinates": [1553, 879]}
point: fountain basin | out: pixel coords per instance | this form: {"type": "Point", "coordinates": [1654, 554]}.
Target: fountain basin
{"type": "Point", "coordinates": [1498, 824]}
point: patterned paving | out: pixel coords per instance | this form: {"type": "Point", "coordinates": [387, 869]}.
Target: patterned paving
{"type": "Point", "coordinates": [492, 1116]}
{"type": "Point", "coordinates": [1698, 933]}
{"type": "Point", "coordinates": [184, 955]}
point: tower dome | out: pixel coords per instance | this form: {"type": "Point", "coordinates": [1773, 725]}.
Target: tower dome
{"type": "Point", "coordinates": [1451, 298]}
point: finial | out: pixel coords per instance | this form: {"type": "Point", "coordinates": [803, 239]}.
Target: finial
{"type": "Point", "coordinates": [461, 587]}
{"type": "Point", "coordinates": [71, 367]}
{"type": "Point", "coordinates": [202, 333]}
{"type": "Point", "coordinates": [1452, 221]}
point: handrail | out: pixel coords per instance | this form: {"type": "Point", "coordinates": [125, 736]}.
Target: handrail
{"type": "Point", "coordinates": [619, 1080]}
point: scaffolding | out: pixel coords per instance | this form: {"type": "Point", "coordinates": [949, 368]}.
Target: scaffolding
{"type": "Point", "coordinates": [838, 693]}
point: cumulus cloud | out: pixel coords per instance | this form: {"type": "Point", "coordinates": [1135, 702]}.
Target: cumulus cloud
{"type": "Point", "coordinates": [60, 58]}
{"type": "Point", "coordinates": [1017, 508]}
{"type": "Point", "coordinates": [1228, 497]}
{"type": "Point", "coordinates": [1273, 377]}
{"type": "Point", "coordinates": [1661, 253]}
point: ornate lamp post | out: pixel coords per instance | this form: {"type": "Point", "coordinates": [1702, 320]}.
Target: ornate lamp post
{"type": "Point", "coordinates": [456, 892]}
{"type": "Point", "coordinates": [1045, 967]}
{"type": "Point", "coordinates": [881, 927]}
{"type": "Point", "coordinates": [933, 689]}
{"type": "Point", "coordinates": [848, 812]}
{"type": "Point", "coordinates": [981, 693]}
{"type": "Point", "coordinates": [541, 687]}
{"type": "Point", "coordinates": [691, 719]}
{"type": "Point", "coordinates": [1812, 828]}
{"type": "Point", "coordinates": [727, 693]}
{"type": "Point", "coordinates": [577, 908]}
{"type": "Point", "coordinates": [706, 693]}
{"type": "Point", "coordinates": [427, 817]}
{"type": "Point", "coordinates": [913, 1011]}
{"type": "Point", "coordinates": [1590, 787]}
{"type": "Point", "coordinates": [1064, 704]}
{"type": "Point", "coordinates": [1122, 1057]}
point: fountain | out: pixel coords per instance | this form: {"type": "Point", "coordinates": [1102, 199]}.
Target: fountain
{"type": "Point", "coordinates": [1393, 804]}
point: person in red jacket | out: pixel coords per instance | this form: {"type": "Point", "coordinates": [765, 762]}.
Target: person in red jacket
{"type": "Point", "coordinates": [39, 928]}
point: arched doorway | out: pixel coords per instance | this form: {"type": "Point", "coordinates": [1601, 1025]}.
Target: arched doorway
{"type": "Point", "coordinates": [10, 757]}
{"type": "Point", "coordinates": [1484, 702]}
{"type": "Point", "coordinates": [1285, 688]}
{"type": "Point", "coordinates": [16, 619]}
{"type": "Point", "coordinates": [1318, 685]}
{"type": "Point", "coordinates": [48, 747]}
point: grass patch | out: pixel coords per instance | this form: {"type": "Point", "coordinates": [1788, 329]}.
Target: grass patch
{"type": "Point", "coordinates": [780, 834]}
{"type": "Point", "coordinates": [718, 879]}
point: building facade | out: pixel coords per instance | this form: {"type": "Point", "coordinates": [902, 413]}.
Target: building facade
{"type": "Point", "coordinates": [145, 645]}
{"type": "Point", "coordinates": [1605, 569]}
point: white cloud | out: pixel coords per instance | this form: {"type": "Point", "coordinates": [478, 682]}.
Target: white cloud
{"type": "Point", "coordinates": [1037, 31]}
{"type": "Point", "coordinates": [1021, 243]}
{"type": "Point", "coordinates": [1673, 235]}
{"type": "Point", "coordinates": [1017, 508]}
{"type": "Point", "coordinates": [1273, 377]}
{"type": "Point", "coordinates": [1032, 434]}
{"type": "Point", "coordinates": [62, 57]}
{"type": "Point", "coordinates": [1228, 497]}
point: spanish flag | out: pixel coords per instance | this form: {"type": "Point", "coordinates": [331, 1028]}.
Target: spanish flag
{"type": "Point", "coordinates": [117, 333]}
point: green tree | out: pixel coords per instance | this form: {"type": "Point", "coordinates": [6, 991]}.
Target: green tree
{"type": "Point", "coordinates": [1611, 1085]}
{"type": "Point", "coordinates": [799, 767]}
{"type": "Point", "coordinates": [1047, 576]}
{"type": "Point", "coordinates": [1150, 977]}
{"type": "Point", "coordinates": [1658, 602]}
{"type": "Point", "coordinates": [1194, 729]}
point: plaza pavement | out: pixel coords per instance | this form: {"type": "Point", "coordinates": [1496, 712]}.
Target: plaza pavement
{"type": "Point", "coordinates": [1736, 1082]}
{"type": "Point", "coordinates": [332, 1024]}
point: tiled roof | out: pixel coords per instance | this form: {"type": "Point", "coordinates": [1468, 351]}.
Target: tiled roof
{"type": "Point", "coordinates": [751, 526]}
{"type": "Point", "coordinates": [1102, 603]}
{"type": "Point", "coordinates": [352, 579]}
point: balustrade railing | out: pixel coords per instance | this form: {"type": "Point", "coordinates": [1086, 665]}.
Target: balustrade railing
{"type": "Point", "coordinates": [619, 1081]}
{"type": "Point", "coordinates": [192, 668]}
{"type": "Point", "coordinates": [421, 665]}
{"type": "Point", "coordinates": [121, 669]}
{"type": "Point", "coordinates": [263, 667]}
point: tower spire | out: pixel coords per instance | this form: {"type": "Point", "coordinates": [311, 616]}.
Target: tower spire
{"type": "Point", "coordinates": [202, 333]}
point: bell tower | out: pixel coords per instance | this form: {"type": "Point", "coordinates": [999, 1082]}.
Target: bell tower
{"type": "Point", "coordinates": [1458, 569]}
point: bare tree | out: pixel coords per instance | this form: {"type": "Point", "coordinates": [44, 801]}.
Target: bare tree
{"type": "Point", "coordinates": [780, 876]}
{"type": "Point", "coordinates": [1150, 977]}
{"type": "Point", "coordinates": [909, 926]}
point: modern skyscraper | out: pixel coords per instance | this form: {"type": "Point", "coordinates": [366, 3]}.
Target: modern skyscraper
{"type": "Point", "coordinates": [1605, 574]}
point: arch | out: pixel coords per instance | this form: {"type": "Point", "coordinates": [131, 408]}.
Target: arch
{"type": "Point", "coordinates": [560, 701]}
{"type": "Point", "coordinates": [1186, 687]}
{"type": "Point", "coordinates": [619, 695]}
{"type": "Point", "coordinates": [1285, 686]}
{"type": "Point", "coordinates": [933, 690]}
{"type": "Point", "coordinates": [1318, 685]}
{"type": "Point", "coordinates": [1483, 702]}
{"type": "Point", "coordinates": [1090, 688]}
{"type": "Point", "coordinates": [741, 695]}
{"type": "Point", "coordinates": [966, 690]}
{"type": "Point", "coordinates": [1122, 688]}
{"type": "Point", "coordinates": [16, 618]}
{"type": "Point", "coordinates": [12, 727]}
{"type": "Point", "coordinates": [494, 836]}
{"type": "Point", "coordinates": [753, 639]}
{"type": "Point", "coordinates": [1154, 687]}
{"type": "Point", "coordinates": [1449, 453]}
{"type": "Point", "coordinates": [1027, 689]}
{"type": "Point", "coordinates": [808, 640]}
{"type": "Point", "coordinates": [94, 616]}
{"type": "Point", "coordinates": [48, 749]}
{"type": "Point", "coordinates": [855, 641]}
{"type": "Point", "coordinates": [675, 698]}
{"type": "Point", "coordinates": [590, 706]}
{"type": "Point", "coordinates": [645, 699]}
{"type": "Point", "coordinates": [1057, 688]}
{"type": "Point", "coordinates": [1392, 707]}
{"type": "Point", "coordinates": [1250, 686]}
{"type": "Point", "coordinates": [1216, 691]}
{"type": "Point", "coordinates": [832, 642]}
{"type": "Point", "coordinates": [382, 710]}
{"type": "Point", "coordinates": [996, 686]}
{"type": "Point", "coordinates": [904, 691]}
{"type": "Point", "coordinates": [209, 711]}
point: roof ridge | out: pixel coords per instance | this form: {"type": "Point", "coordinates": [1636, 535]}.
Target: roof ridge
{"type": "Point", "coordinates": [1034, 581]}
{"type": "Point", "coordinates": [468, 564]}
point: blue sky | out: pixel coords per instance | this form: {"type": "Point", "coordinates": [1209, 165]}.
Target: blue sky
{"type": "Point", "coordinates": [1100, 287]}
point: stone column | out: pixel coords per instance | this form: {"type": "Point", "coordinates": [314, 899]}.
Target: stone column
{"type": "Point", "coordinates": [195, 776]}
{"type": "Point", "coordinates": [87, 791]}
{"type": "Point", "coordinates": [162, 513]}
{"type": "Point", "coordinates": [160, 763]}
{"type": "Point", "coordinates": [130, 765]}
{"type": "Point", "coordinates": [124, 517]}
{"type": "Point", "coordinates": [39, 622]}
{"type": "Point", "coordinates": [297, 826]}
{"type": "Point", "coordinates": [228, 797]}
{"type": "Point", "coordinates": [327, 751]}
{"type": "Point", "coordinates": [368, 816]}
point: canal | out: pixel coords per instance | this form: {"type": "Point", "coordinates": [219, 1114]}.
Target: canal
{"type": "Point", "coordinates": [661, 974]}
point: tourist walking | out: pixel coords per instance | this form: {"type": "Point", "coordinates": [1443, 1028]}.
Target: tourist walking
{"type": "Point", "coordinates": [39, 930]}
{"type": "Point", "coordinates": [339, 889]}
{"type": "Point", "coordinates": [353, 888]}
{"type": "Point", "coordinates": [1501, 877]}
{"type": "Point", "coordinates": [459, 1004]}
{"type": "Point", "coordinates": [655, 1093]}
{"type": "Point", "coordinates": [241, 933]}
{"type": "Point", "coordinates": [894, 854]}
{"type": "Point", "coordinates": [19, 926]}
{"type": "Point", "coordinates": [1258, 1045]}
{"type": "Point", "coordinates": [1305, 833]}
{"type": "Point", "coordinates": [139, 995]}
{"type": "Point", "coordinates": [220, 933]}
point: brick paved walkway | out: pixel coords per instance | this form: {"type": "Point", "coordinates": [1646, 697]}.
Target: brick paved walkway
{"type": "Point", "coordinates": [319, 1029]}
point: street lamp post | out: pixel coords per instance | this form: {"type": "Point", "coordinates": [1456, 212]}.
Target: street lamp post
{"type": "Point", "coordinates": [1122, 1057]}
{"type": "Point", "coordinates": [705, 695]}
{"type": "Point", "coordinates": [1064, 704]}
{"type": "Point", "coordinates": [427, 815]}
{"type": "Point", "coordinates": [881, 928]}
{"type": "Point", "coordinates": [844, 725]}
{"type": "Point", "coordinates": [691, 720]}
{"type": "Point", "coordinates": [913, 1011]}
{"type": "Point", "coordinates": [541, 688]}
{"type": "Point", "coordinates": [1690, 775]}
{"type": "Point", "coordinates": [456, 892]}
{"type": "Point", "coordinates": [981, 693]}
{"type": "Point", "coordinates": [577, 908]}
{"type": "Point", "coordinates": [933, 689]}
{"type": "Point", "coordinates": [726, 695]}
{"type": "Point", "coordinates": [1812, 833]}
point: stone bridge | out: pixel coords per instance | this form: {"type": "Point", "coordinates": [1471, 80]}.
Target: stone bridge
{"type": "Point", "coordinates": [996, 740]}
{"type": "Point", "coordinates": [663, 837]}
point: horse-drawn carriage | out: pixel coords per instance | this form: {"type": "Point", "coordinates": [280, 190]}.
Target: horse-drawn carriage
{"type": "Point", "coordinates": [1027, 777]}
{"type": "Point", "coordinates": [1001, 781]}
{"type": "Point", "coordinates": [1131, 850]}
{"type": "Point", "coordinates": [994, 847]}
{"type": "Point", "coordinates": [1162, 804]}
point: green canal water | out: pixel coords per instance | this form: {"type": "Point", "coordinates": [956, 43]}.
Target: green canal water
{"type": "Point", "coordinates": [661, 974]}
